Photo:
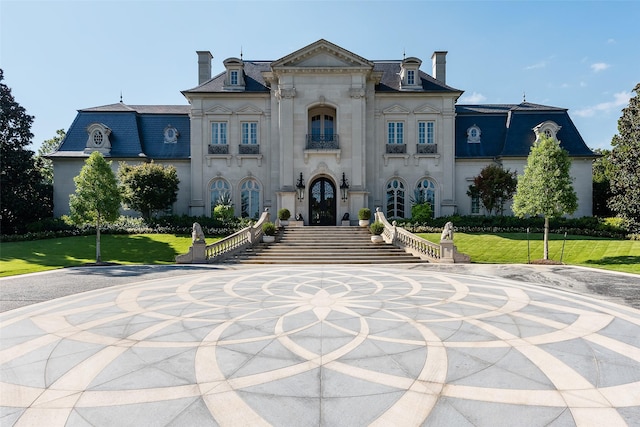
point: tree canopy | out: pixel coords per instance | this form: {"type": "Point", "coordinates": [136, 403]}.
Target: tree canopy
{"type": "Point", "coordinates": [494, 186]}
{"type": "Point", "coordinates": [25, 197]}
{"type": "Point", "coordinates": [546, 186]}
{"type": "Point", "coordinates": [49, 146]}
{"type": "Point", "coordinates": [148, 187]}
{"type": "Point", "coordinates": [625, 161]}
{"type": "Point", "coordinates": [97, 197]}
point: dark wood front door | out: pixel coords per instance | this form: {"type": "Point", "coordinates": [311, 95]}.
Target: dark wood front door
{"type": "Point", "coordinates": [322, 203]}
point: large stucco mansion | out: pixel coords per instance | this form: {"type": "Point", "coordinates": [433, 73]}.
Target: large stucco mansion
{"type": "Point", "coordinates": [322, 132]}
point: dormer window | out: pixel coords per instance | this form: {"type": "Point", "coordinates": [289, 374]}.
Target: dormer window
{"type": "Point", "coordinates": [98, 139]}
{"type": "Point", "coordinates": [473, 135]}
{"type": "Point", "coordinates": [409, 73]}
{"type": "Point", "coordinates": [549, 129]}
{"type": "Point", "coordinates": [235, 74]}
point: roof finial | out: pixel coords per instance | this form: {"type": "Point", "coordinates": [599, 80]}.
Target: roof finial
{"type": "Point", "coordinates": [404, 54]}
{"type": "Point", "coordinates": [241, 52]}
{"type": "Point", "coordinates": [120, 97]}
{"type": "Point", "coordinates": [524, 96]}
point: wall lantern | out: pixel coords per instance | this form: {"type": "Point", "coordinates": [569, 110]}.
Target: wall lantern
{"type": "Point", "coordinates": [344, 188]}
{"type": "Point", "coordinates": [300, 188]}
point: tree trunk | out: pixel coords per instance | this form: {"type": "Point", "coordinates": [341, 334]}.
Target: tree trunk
{"type": "Point", "coordinates": [546, 238]}
{"type": "Point", "coordinates": [98, 257]}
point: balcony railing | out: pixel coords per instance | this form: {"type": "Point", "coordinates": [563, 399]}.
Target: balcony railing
{"type": "Point", "coordinates": [218, 149]}
{"type": "Point", "coordinates": [427, 148]}
{"type": "Point", "coordinates": [249, 149]}
{"type": "Point", "coordinates": [396, 148]}
{"type": "Point", "coordinates": [323, 142]}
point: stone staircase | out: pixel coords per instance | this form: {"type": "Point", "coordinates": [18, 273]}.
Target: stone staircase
{"type": "Point", "coordinates": [324, 245]}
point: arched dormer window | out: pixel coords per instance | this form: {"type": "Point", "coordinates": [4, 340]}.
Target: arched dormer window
{"type": "Point", "coordinates": [98, 139]}
{"type": "Point", "coordinates": [473, 135]}
{"type": "Point", "coordinates": [549, 129]}
{"type": "Point", "coordinates": [234, 80]}
{"type": "Point", "coordinates": [409, 77]}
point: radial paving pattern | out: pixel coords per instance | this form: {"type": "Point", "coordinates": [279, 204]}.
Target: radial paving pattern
{"type": "Point", "coordinates": [322, 346]}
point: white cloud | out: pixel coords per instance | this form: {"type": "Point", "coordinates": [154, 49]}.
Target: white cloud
{"type": "Point", "coordinates": [599, 66]}
{"type": "Point", "coordinates": [611, 41]}
{"type": "Point", "coordinates": [474, 98]}
{"type": "Point", "coordinates": [540, 64]}
{"type": "Point", "coordinates": [620, 100]}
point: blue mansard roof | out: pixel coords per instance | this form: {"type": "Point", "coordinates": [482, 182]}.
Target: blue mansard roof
{"type": "Point", "coordinates": [507, 130]}
{"type": "Point", "coordinates": [136, 131]}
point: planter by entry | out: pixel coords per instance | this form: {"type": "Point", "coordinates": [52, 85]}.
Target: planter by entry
{"type": "Point", "coordinates": [363, 222]}
{"type": "Point", "coordinates": [377, 239]}
{"type": "Point", "coordinates": [284, 222]}
{"type": "Point", "coordinates": [268, 239]}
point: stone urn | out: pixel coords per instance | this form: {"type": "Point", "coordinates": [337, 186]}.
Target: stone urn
{"type": "Point", "coordinates": [268, 239]}
{"type": "Point", "coordinates": [376, 238]}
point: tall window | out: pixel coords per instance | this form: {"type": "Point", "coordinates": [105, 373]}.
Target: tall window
{"type": "Point", "coordinates": [395, 134]}
{"type": "Point", "coordinates": [322, 128]}
{"type": "Point", "coordinates": [427, 190]}
{"type": "Point", "coordinates": [219, 190]}
{"type": "Point", "coordinates": [425, 132]}
{"type": "Point", "coordinates": [395, 199]}
{"type": "Point", "coordinates": [219, 133]}
{"type": "Point", "coordinates": [411, 77]}
{"type": "Point", "coordinates": [475, 204]}
{"type": "Point", "coordinates": [250, 199]}
{"type": "Point", "coordinates": [234, 78]}
{"type": "Point", "coordinates": [250, 133]}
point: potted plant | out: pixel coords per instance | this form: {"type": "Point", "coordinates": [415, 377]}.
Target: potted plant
{"type": "Point", "coordinates": [283, 216]}
{"type": "Point", "coordinates": [376, 232]}
{"type": "Point", "coordinates": [364, 214]}
{"type": "Point", "coordinates": [269, 232]}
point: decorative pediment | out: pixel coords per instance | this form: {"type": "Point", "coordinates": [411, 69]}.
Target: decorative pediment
{"type": "Point", "coordinates": [322, 54]}
{"type": "Point", "coordinates": [426, 109]}
{"type": "Point", "coordinates": [396, 109]}
{"type": "Point", "coordinates": [249, 109]}
{"type": "Point", "coordinates": [219, 109]}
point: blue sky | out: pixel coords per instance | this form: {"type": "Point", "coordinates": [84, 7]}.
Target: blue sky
{"type": "Point", "coordinates": [61, 56]}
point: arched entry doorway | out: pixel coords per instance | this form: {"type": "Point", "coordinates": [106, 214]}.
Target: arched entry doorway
{"type": "Point", "coordinates": [322, 202]}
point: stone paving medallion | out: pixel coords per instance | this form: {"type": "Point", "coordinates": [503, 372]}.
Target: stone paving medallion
{"type": "Point", "coordinates": [321, 346]}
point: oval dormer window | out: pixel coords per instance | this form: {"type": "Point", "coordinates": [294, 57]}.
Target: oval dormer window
{"type": "Point", "coordinates": [98, 138]}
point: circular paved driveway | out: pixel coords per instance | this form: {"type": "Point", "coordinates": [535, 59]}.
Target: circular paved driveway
{"type": "Point", "coordinates": [322, 346]}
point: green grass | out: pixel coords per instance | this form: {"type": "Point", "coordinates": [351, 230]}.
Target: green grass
{"type": "Point", "coordinates": [41, 255]}
{"type": "Point", "coordinates": [611, 254]}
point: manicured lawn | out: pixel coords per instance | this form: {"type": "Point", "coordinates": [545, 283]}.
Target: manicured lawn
{"type": "Point", "coordinates": [40, 255]}
{"type": "Point", "coordinates": [611, 254]}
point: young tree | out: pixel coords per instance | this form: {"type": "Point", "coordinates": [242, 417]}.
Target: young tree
{"type": "Point", "coordinates": [546, 187]}
{"type": "Point", "coordinates": [25, 198]}
{"type": "Point", "coordinates": [148, 187]}
{"type": "Point", "coordinates": [97, 197]}
{"type": "Point", "coordinates": [494, 186]}
{"type": "Point", "coordinates": [625, 159]}
{"type": "Point", "coordinates": [49, 146]}
{"type": "Point", "coordinates": [602, 171]}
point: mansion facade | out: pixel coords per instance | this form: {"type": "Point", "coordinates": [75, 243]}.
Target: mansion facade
{"type": "Point", "coordinates": [322, 132]}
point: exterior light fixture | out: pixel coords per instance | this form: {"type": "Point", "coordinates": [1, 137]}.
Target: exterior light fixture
{"type": "Point", "coordinates": [344, 188]}
{"type": "Point", "coordinates": [300, 188]}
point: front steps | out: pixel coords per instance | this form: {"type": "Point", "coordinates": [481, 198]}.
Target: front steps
{"type": "Point", "coordinates": [324, 245]}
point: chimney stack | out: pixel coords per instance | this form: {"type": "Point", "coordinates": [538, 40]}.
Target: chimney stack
{"type": "Point", "coordinates": [439, 71]}
{"type": "Point", "coordinates": [204, 65]}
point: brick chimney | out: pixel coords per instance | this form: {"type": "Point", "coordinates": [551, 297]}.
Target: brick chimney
{"type": "Point", "coordinates": [439, 72]}
{"type": "Point", "coordinates": [204, 65]}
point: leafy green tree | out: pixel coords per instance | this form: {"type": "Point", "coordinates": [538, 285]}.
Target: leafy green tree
{"type": "Point", "coordinates": [625, 159]}
{"type": "Point", "coordinates": [546, 187]}
{"type": "Point", "coordinates": [148, 187]}
{"type": "Point", "coordinates": [97, 197]}
{"type": "Point", "coordinates": [25, 198]}
{"type": "Point", "coordinates": [602, 171]}
{"type": "Point", "coordinates": [49, 146]}
{"type": "Point", "coordinates": [421, 210]}
{"type": "Point", "coordinates": [494, 186]}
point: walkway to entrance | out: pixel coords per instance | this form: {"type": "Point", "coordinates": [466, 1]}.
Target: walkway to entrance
{"type": "Point", "coordinates": [333, 345]}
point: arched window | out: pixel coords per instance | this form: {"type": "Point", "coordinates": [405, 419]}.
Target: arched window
{"type": "Point", "coordinates": [250, 199]}
{"type": "Point", "coordinates": [426, 192]}
{"type": "Point", "coordinates": [220, 192]}
{"type": "Point", "coordinates": [395, 199]}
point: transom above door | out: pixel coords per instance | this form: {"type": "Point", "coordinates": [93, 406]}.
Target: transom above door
{"type": "Point", "coordinates": [322, 202]}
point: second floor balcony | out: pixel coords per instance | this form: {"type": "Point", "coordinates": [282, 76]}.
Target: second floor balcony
{"type": "Point", "coordinates": [249, 149]}
{"type": "Point", "coordinates": [426, 148]}
{"type": "Point", "coordinates": [396, 149]}
{"type": "Point", "coordinates": [322, 142]}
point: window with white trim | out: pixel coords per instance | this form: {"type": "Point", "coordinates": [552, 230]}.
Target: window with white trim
{"type": "Point", "coordinates": [233, 77]}
{"type": "Point", "coordinates": [219, 133]}
{"type": "Point", "coordinates": [249, 133]}
{"type": "Point", "coordinates": [411, 77]}
{"type": "Point", "coordinates": [250, 199]}
{"type": "Point", "coordinates": [219, 190]}
{"type": "Point", "coordinates": [426, 189]}
{"type": "Point", "coordinates": [426, 132]}
{"type": "Point", "coordinates": [395, 133]}
{"type": "Point", "coordinates": [475, 204]}
{"type": "Point", "coordinates": [395, 199]}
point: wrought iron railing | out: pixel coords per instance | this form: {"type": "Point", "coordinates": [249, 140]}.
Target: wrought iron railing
{"type": "Point", "coordinates": [323, 142]}
{"type": "Point", "coordinates": [218, 149]}
{"type": "Point", "coordinates": [411, 243]}
{"type": "Point", "coordinates": [396, 148]}
{"type": "Point", "coordinates": [249, 149]}
{"type": "Point", "coordinates": [238, 241]}
{"type": "Point", "coordinates": [427, 148]}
